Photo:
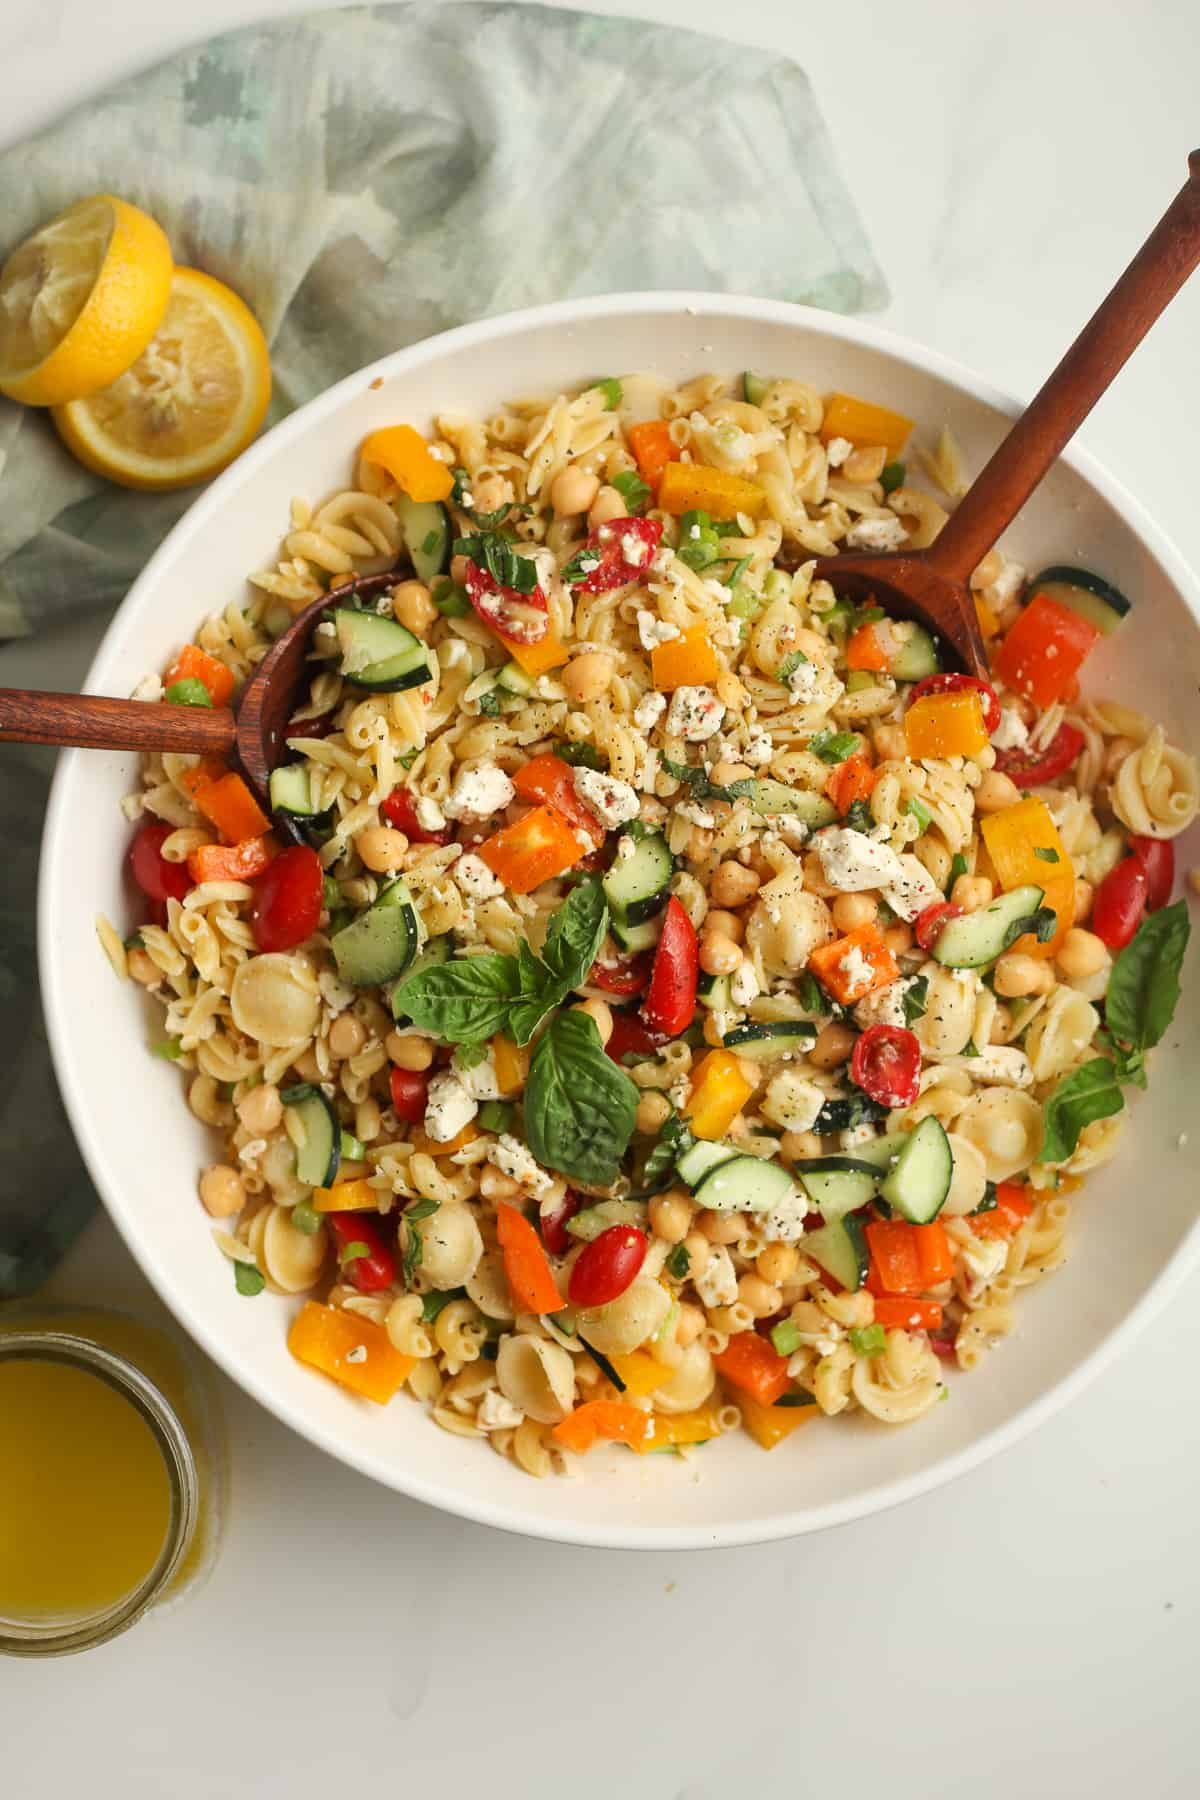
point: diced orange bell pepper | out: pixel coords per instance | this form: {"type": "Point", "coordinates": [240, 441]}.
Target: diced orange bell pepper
{"type": "Point", "coordinates": [1025, 848]}
{"type": "Point", "coordinates": [907, 1259]}
{"type": "Point", "coordinates": [673, 1431]}
{"type": "Point", "coordinates": [404, 453]}
{"type": "Point", "coordinates": [511, 1064]}
{"type": "Point", "coordinates": [535, 849]}
{"type": "Point", "coordinates": [864, 424]}
{"type": "Point", "coordinates": [901, 1312]}
{"type": "Point", "coordinates": [1013, 1206]}
{"type": "Point", "coordinates": [719, 1092]}
{"type": "Point", "coordinates": [537, 659]}
{"type": "Point", "coordinates": [1044, 650]}
{"type": "Point", "coordinates": [549, 779]}
{"type": "Point", "coordinates": [231, 862]}
{"type": "Point", "coordinates": [427, 1146]}
{"type": "Point", "coordinates": [653, 448]}
{"type": "Point", "coordinates": [326, 1338]}
{"type": "Point", "coordinates": [692, 487]}
{"type": "Point", "coordinates": [867, 649]}
{"type": "Point", "coordinates": [989, 625]}
{"type": "Point", "coordinates": [935, 1253]}
{"type": "Point", "coordinates": [687, 660]}
{"type": "Point", "coordinates": [852, 780]}
{"type": "Point", "coordinates": [615, 1420]}
{"type": "Point", "coordinates": [346, 1196]}
{"type": "Point", "coordinates": [195, 664]}
{"type": "Point", "coordinates": [231, 807]}
{"type": "Point", "coordinates": [946, 725]}
{"type": "Point", "coordinates": [640, 1372]}
{"type": "Point", "coordinates": [752, 1363]}
{"type": "Point", "coordinates": [526, 1265]}
{"type": "Point", "coordinates": [849, 984]}
{"type": "Point", "coordinates": [202, 774]}
{"type": "Point", "coordinates": [769, 1425]}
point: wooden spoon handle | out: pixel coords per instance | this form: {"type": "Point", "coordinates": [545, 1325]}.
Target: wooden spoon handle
{"type": "Point", "coordinates": [28, 717]}
{"type": "Point", "coordinates": [1110, 337]}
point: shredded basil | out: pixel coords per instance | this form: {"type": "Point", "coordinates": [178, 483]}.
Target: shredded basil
{"type": "Point", "coordinates": [958, 866]}
{"type": "Point", "coordinates": [858, 816]}
{"type": "Point", "coordinates": [489, 704]}
{"type": "Point", "coordinates": [789, 665]}
{"type": "Point", "coordinates": [579, 1106]}
{"type": "Point", "coordinates": [678, 1263]}
{"type": "Point", "coordinates": [501, 559]}
{"type": "Point", "coordinates": [834, 746]}
{"type": "Point", "coordinates": [1044, 855]}
{"type": "Point", "coordinates": [580, 756]}
{"type": "Point", "coordinates": [797, 1397]}
{"type": "Point", "coordinates": [437, 1299]}
{"type": "Point", "coordinates": [1091, 1092]}
{"type": "Point", "coordinates": [892, 477]}
{"type": "Point", "coordinates": [915, 999]}
{"type": "Point", "coordinates": [633, 491]}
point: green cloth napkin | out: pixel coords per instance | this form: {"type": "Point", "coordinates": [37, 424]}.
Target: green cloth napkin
{"type": "Point", "coordinates": [365, 178]}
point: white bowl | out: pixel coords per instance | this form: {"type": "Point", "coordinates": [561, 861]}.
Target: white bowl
{"type": "Point", "coordinates": [1135, 1233]}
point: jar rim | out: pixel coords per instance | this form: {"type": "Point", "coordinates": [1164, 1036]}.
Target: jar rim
{"type": "Point", "coordinates": [20, 1637]}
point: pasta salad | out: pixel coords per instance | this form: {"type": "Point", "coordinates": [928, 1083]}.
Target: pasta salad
{"type": "Point", "coordinates": [659, 997]}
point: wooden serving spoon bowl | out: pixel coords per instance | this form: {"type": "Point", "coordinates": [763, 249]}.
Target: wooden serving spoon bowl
{"type": "Point", "coordinates": [931, 586]}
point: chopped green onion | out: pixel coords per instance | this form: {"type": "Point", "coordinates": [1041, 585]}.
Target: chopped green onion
{"type": "Point", "coordinates": [169, 1049]}
{"type": "Point", "coordinates": [920, 813]}
{"type": "Point", "coordinates": [306, 1218]}
{"type": "Point", "coordinates": [678, 1263]}
{"type": "Point", "coordinates": [859, 679]}
{"type": "Point", "coordinates": [430, 543]}
{"type": "Point", "coordinates": [189, 692]}
{"type": "Point", "coordinates": [699, 546]}
{"type": "Point", "coordinates": [497, 1116]}
{"type": "Point", "coordinates": [632, 489]}
{"type": "Point", "coordinates": [331, 893]}
{"type": "Point", "coordinates": [958, 866]}
{"type": "Point", "coordinates": [352, 1149]}
{"type": "Point", "coordinates": [738, 570]}
{"type": "Point", "coordinates": [777, 585]}
{"type": "Point", "coordinates": [248, 1279]}
{"type": "Point", "coordinates": [834, 746]}
{"type": "Point", "coordinates": [892, 477]}
{"type": "Point", "coordinates": [786, 1337]}
{"type": "Point", "coordinates": [450, 599]}
{"type": "Point", "coordinates": [610, 387]}
{"type": "Point", "coordinates": [869, 1340]}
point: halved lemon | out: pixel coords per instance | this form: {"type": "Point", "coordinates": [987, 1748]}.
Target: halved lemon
{"type": "Point", "coordinates": [80, 300]}
{"type": "Point", "coordinates": [191, 402]}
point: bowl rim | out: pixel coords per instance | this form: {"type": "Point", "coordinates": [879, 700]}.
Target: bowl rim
{"type": "Point", "coordinates": [479, 1508]}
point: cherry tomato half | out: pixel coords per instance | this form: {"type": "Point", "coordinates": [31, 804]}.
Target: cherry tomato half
{"type": "Point", "coordinates": [1119, 902]}
{"type": "Point", "coordinates": [399, 809]}
{"type": "Point", "coordinates": [928, 923]}
{"type": "Point", "coordinates": [954, 684]}
{"type": "Point", "coordinates": [410, 1091]}
{"type": "Point", "coordinates": [158, 879]}
{"type": "Point", "coordinates": [886, 1064]}
{"type": "Point", "coordinates": [670, 1004]}
{"type": "Point", "coordinates": [630, 1037]}
{"type": "Point", "coordinates": [375, 1270]}
{"type": "Point", "coordinates": [553, 1225]}
{"type": "Point", "coordinates": [627, 975]}
{"type": "Point", "coordinates": [1157, 857]}
{"type": "Point", "coordinates": [1033, 768]}
{"type": "Point", "coordinates": [607, 1266]}
{"type": "Point", "coordinates": [521, 618]}
{"type": "Point", "coordinates": [288, 899]}
{"type": "Point", "coordinates": [619, 551]}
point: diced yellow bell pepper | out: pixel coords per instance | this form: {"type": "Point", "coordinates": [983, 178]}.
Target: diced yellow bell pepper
{"type": "Point", "coordinates": [405, 455]}
{"type": "Point", "coordinates": [512, 1066]}
{"type": "Point", "coordinates": [346, 1196]}
{"type": "Point", "coordinates": [687, 660]}
{"type": "Point", "coordinates": [769, 1425]}
{"type": "Point", "coordinates": [640, 1372]}
{"type": "Point", "coordinates": [989, 625]}
{"type": "Point", "coordinates": [946, 725]}
{"type": "Point", "coordinates": [864, 424]}
{"type": "Point", "coordinates": [1014, 838]}
{"type": "Point", "coordinates": [674, 1430]}
{"type": "Point", "coordinates": [719, 1092]}
{"type": "Point", "coordinates": [326, 1338]}
{"type": "Point", "coordinates": [693, 487]}
{"type": "Point", "coordinates": [536, 659]}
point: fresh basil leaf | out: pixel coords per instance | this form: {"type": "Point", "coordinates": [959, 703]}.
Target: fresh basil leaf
{"type": "Point", "coordinates": [469, 1056]}
{"type": "Point", "coordinates": [790, 664]}
{"type": "Point", "coordinates": [437, 1299]}
{"type": "Point", "coordinates": [1043, 924]}
{"type": "Point", "coordinates": [500, 557]}
{"type": "Point", "coordinates": [920, 812]}
{"type": "Point", "coordinates": [858, 816]}
{"type": "Point", "coordinates": [633, 491]}
{"type": "Point", "coordinates": [461, 497]}
{"type": "Point", "coordinates": [490, 704]}
{"type": "Point", "coordinates": [579, 1106]}
{"type": "Point", "coordinates": [585, 562]}
{"type": "Point", "coordinates": [834, 746]}
{"type": "Point", "coordinates": [797, 1397]}
{"type": "Point", "coordinates": [580, 756]}
{"type": "Point", "coordinates": [892, 477]}
{"type": "Point", "coordinates": [248, 1279]}
{"type": "Point", "coordinates": [462, 1001]}
{"type": "Point", "coordinates": [1044, 855]}
{"type": "Point", "coordinates": [658, 1166]}
{"type": "Point", "coordinates": [678, 1263]}
{"type": "Point", "coordinates": [576, 933]}
{"type": "Point", "coordinates": [812, 995]}
{"type": "Point", "coordinates": [414, 1250]}
{"type": "Point", "coordinates": [915, 1000]}
{"type": "Point", "coordinates": [1143, 989]}
{"type": "Point", "coordinates": [423, 1209]}
{"type": "Point", "coordinates": [1092, 1092]}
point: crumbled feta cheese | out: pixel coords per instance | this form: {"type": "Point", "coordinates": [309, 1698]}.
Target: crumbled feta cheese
{"type": "Point", "coordinates": [791, 829]}
{"type": "Point", "coordinates": [448, 1107]}
{"type": "Point", "coordinates": [784, 1224]}
{"type": "Point", "coordinates": [149, 688]}
{"type": "Point", "coordinates": [716, 1283]}
{"type": "Point", "coordinates": [857, 971]}
{"type": "Point", "coordinates": [480, 1080]}
{"type": "Point", "coordinates": [475, 879]}
{"type": "Point", "coordinates": [743, 987]}
{"type": "Point", "coordinates": [792, 1102]}
{"type": "Point", "coordinates": [336, 995]}
{"type": "Point", "coordinates": [911, 889]}
{"type": "Point", "coordinates": [649, 710]}
{"type": "Point", "coordinates": [725, 1019]}
{"type": "Point", "coordinates": [803, 679]}
{"type": "Point", "coordinates": [636, 551]}
{"type": "Point", "coordinates": [853, 862]}
{"type": "Point", "coordinates": [515, 1160]}
{"type": "Point", "coordinates": [1008, 581]}
{"type": "Point", "coordinates": [429, 814]}
{"type": "Point", "coordinates": [626, 847]}
{"type": "Point", "coordinates": [837, 450]}
{"type": "Point", "coordinates": [496, 1413]}
{"type": "Point", "coordinates": [885, 1006]}
{"type": "Point", "coordinates": [699, 815]}
{"type": "Point", "coordinates": [654, 631]}
{"type": "Point", "coordinates": [479, 792]}
{"type": "Point", "coordinates": [1002, 1064]}
{"type": "Point", "coordinates": [695, 714]}
{"type": "Point", "coordinates": [613, 802]}
{"type": "Point", "coordinates": [357, 1355]}
{"type": "Point", "coordinates": [1011, 733]}
{"type": "Point", "coordinates": [876, 534]}
{"type": "Point", "coordinates": [984, 1258]}
{"type": "Point", "coordinates": [758, 750]}
{"type": "Point", "coordinates": [855, 1135]}
{"type": "Point", "coordinates": [452, 652]}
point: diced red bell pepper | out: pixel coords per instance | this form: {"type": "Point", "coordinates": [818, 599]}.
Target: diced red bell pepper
{"type": "Point", "coordinates": [906, 1313]}
{"type": "Point", "coordinates": [653, 447]}
{"type": "Point", "coordinates": [619, 551]}
{"type": "Point", "coordinates": [375, 1270]}
{"type": "Point", "coordinates": [670, 1004]}
{"type": "Point", "coordinates": [1044, 650]}
{"type": "Point", "coordinates": [1013, 1206]}
{"type": "Point", "coordinates": [519, 618]}
{"type": "Point", "coordinates": [400, 810]}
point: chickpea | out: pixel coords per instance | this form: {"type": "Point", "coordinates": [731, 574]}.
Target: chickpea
{"type": "Point", "coordinates": [995, 792]}
{"type": "Point", "coordinates": [971, 892]}
{"type": "Point", "coordinates": [489, 493]}
{"type": "Point", "coordinates": [798, 1146]}
{"type": "Point", "coordinates": [759, 1296]}
{"type": "Point", "coordinates": [1081, 953]}
{"type": "Point", "coordinates": [653, 1110]}
{"type": "Point", "coordinates": [587, 677]}
{"type": "Point", "coordinates": [142, 969]}
{"type": "Point", "coordinates": [308, 1068]}
{"type": "Point", "coordinates": [889, 741]}
{"type": "Point", "coordinates": [347, 1035]}
{"type": "Point", "coordinates": [494, 1185]}
{"type": "Point", "coordinates": [722, 1228]}
{"type": "Point", "coordinates": [778, 1263]}
{"type": "Point", "coordinates": [699, 1250]}
{"type": "Point", "coordinates": [261, 1110]}
{"type": "Point", "coordinates": [1017, 975]}
{"type": "Point", "coordinates": [368, 1120]}
{"type": "Point", "coordinates": [601, 1012]}
{"type": "Point", "coordinates": [671, 1214]}
{"type": "Point", "coordinates": [1083, 897]}
{"type": "Point", "coordinates": [733, 884]}
{"type": "Point", "coordinates": [719, 955]}
{"type": "Point", "coordinates": [412, 605]}
{"type": "Point", "coordinates": [852, 910]}
{"type": "Point", "coordinates": [834, 1043]}
{"type": "Point", "coordinates": [723, 773]}
{"type": "Point", "coordinates": [689, 1324]}
{"type": "Point", "coordinates": [222, 1192]}
{"type": "Point", "coordinates": [408, 1052]}
{"type": "Point", "coordinates": [865, 465]}
{"type": "Point", "coordinates": [572, 491]}
{"type": "Point", "coordinates": [607, 505]}
{"type": "Point", "coordinates": [899, 939]}
{"type": "Point", "coordinates": [381, 849]}
{"type": "Point", "coordinates": [725, 924]}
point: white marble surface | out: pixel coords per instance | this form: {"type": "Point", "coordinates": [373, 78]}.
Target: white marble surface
{"type": "Point", "coordinates": [1033, 1628]}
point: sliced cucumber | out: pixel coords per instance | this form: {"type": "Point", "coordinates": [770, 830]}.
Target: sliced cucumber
{"type": "Point", "coordinates": [841, 1249]}
{"type": "Point", "coordinates": [744, 1184]}
{"type": "Point", "coordinates": [589, 1223]}
{"type": "Point", "coordinates": [766, 1043]}
{"type": "Point", "coordinates": [378, 653]}
{"type": "Point", "coordinates": [425, 529]}
{"type": "Point", "coordinates": [917, 658]}
{"type": "Point", "coordinates": [844, 1114]}
{"type": "Point", "coordinates": [437, 950]}
{"type": "Point", "coordinates": [381, 943]}
{"type": "Point", "coordinates": [918, 1185]}
{"type": "Point", "coordinates": [638, 886]}
{"type": "Point", "coordinates": [767, 796]}
{"type": "Point", "coordinates": [513, 679]}
{"type": "Point", "coordinates": [1093, 598]}
{"type": "Point", "coordinates": [320, 1152]}
{"type": "Point", "coordinates": [291, 790]}
{"type": "Point", "coordinates": [701, 1158]}
{"type": "Point", "coordinates": [713, 991]}
{"type": "Point", "coordinates": [754, 388]}
{"type": "Point", "coordinates": [979, 937]}
{"type": "Point", "coordinates": [635, 937]}
{"type": "Point", "coordinates": [879, 1153]}
{"type": "Point", "coordinates": [838, 1185]}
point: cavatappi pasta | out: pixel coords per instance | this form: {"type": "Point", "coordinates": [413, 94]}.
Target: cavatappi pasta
{"type": "Point", "coordinates": [662, 1001]}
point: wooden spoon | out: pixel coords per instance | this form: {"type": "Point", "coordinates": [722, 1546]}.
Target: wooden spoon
{"type": "Point", "coordinates": [928, 585]}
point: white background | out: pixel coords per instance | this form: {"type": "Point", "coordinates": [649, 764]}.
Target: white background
{"type": "Point", "coordinates": [1032, 1628]}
